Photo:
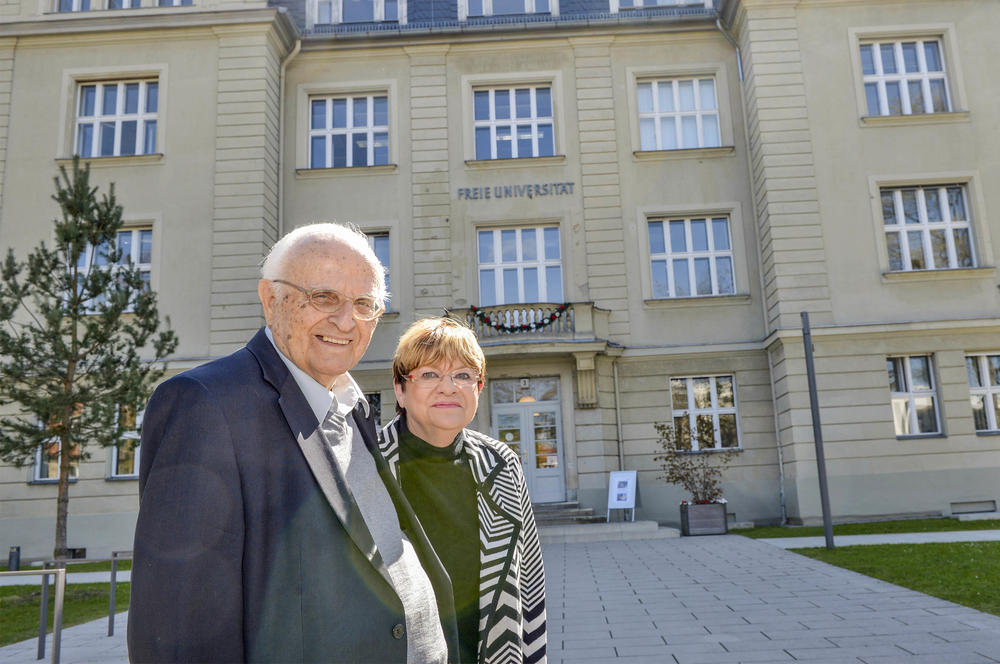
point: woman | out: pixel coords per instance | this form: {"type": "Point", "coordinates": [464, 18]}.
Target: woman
{"type": "Point", "coordinates": [467, 488]}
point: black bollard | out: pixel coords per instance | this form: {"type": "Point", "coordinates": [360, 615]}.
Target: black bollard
{"type": "Point", "coordinates": [14, 559]}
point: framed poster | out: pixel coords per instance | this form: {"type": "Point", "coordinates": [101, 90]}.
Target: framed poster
{"type": "Point", "coordinates": [622, 488]}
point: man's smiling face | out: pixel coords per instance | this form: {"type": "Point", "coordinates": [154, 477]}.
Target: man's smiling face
{"type": "Point", "coordinates": [323, 345]}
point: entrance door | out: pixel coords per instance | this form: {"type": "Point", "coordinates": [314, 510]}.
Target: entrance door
{"type": "Point", "coordinates": [534, 432]}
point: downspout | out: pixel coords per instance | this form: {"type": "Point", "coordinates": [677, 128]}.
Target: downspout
{"type": "Point", "coordinates": [618, 417]}
{"type": "Point", "coordinates": [281, 135]}
{"type": "Point", "coordinates": [760, 271]}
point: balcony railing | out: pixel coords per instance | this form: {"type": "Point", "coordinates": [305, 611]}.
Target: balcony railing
{"type": "Point", "coordinates": [539, 321]}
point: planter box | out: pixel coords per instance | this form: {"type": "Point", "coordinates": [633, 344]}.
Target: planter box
{"type": "Point", "coordinates": [706, 519]}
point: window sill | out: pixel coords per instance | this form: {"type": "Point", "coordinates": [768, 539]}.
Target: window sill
{"type": "Point", "coordinates": [916, 119]}
{"type": "Point", "coordinates": [121, 478]}
{"type": "Point", "coordinates": [128, 160]}
{"type": "Point", "coordinates": [988, 432]}
{"type": "Point", "coordinates": [320, 173]}
{"type": "Point", "coordinates": [919, 436]}
{"type": "Point", "coordinates": [520, 162]}
{"type": "Point", "coordinates": [684, 153]}
{"type": "Point", "coordinates": [699, 301]}
{"type": "Point", "coordinates": [962, 273]}
{"type": "Point", "coordinates": [52, 482]}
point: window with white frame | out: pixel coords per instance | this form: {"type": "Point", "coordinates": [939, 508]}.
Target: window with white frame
{"type": "Point", "coordinates": [677, 114]}
{"type": "Point", "coordinates": [379, 242]}
{"type": "Point", "coordinates": [984, 390]}
{"type": "Point", "coordinates": [513, 123]}
{"type": "Point", "coordinates": [73, 5]}
{"type": "Point", "coordinates": [125, 455]}
{"type": "Point", "coordinates": [329, 12]}
{"type": "Point", "coordinates": [691, 257]}
{"type": "Point", "coordinates": [518, 265]}
{"type": "Point", "coordinates": [135, 247]}
{"type": "Point", "coordinates": [914, 396]}
{"type": "Point", "coordinates": [47, 460]}
{"type": "Point", "coordinates": [124, 4]}
{"type": "Point", "coordinates": [704, 412]}
{"type": "Point", "coordinates": [346, 132]}
{"type": "Point", "coordinates": [639, 4]}
{"type": "Point", "coordinates": [502, 7]}
{"type": "Point", "coordinates": [927, 227]}
{"type": "Point", "coordinates": [904, 77]}
{"type": "Point", "coordinates": [116, 118]}
{"type": "Point", "coordinates": [175, 3]}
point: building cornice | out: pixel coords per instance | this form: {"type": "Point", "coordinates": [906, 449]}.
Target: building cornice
{"type": "Point", "coordinates": [74, 24]}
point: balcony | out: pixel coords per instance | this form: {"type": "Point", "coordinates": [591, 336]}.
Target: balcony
{"type": "Point", "coordinates": [539, 322]}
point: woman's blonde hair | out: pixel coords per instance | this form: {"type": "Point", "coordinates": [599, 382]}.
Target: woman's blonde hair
{"type": "Point", "coordinates": [433, 341]}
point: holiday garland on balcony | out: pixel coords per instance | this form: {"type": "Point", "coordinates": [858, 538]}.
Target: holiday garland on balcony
{"type": "Point", "coordinates": [500, 326]}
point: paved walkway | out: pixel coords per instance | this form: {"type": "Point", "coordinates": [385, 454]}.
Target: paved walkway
{"type": "Point", "coordinates": [703, 600]}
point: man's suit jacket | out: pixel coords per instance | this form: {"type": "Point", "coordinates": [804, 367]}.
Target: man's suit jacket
{"type": "Point", "coordinates": [249, 546]}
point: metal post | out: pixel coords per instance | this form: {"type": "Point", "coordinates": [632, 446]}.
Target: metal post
{"type": "Point", "coordinates": [43, 611]}
{"type": "Point", "coordinates": [57, 614]}
{"type": "Point", "coordinates": [824, 494]}
{"type": "Point", "coordinates": [14, 559]}
{"type": "Point", "coordinates": [111, 595]}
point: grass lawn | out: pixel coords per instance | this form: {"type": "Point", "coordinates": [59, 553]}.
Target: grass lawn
{"type": "Point", "coordinates": [124, 564]}
{"type": "Point", "coordinates": [19, 606]}
{"type": "Point", "coordinates": [966, 573]}
{"type": "Point", "coordinates": [870, 528]}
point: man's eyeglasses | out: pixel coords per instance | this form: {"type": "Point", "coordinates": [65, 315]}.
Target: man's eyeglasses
{"type": "Point", "coordinates": [330, 301]}
{"type": "Point", "coordinates": [460, 378]}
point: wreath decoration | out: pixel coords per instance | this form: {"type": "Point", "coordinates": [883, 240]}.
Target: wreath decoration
{"type": "Point", "coordinates": [499, 326]}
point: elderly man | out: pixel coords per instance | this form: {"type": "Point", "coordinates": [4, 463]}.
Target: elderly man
{"type": "Point", "coordinates": [268, 530]}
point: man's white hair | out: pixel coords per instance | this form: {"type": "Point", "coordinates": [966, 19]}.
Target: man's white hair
{"type": "Point", "coordinates": [273, 264]}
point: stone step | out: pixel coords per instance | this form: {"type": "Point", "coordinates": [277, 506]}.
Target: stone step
{"type": "Point", "coordinates": [604, 532]}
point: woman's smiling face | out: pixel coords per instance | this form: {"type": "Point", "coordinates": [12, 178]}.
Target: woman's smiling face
{"type": "Point", "coordinates": [437, 410]}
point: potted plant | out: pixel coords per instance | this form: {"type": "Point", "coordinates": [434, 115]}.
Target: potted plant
{"type": "Point", "coordinates": [700, 473]}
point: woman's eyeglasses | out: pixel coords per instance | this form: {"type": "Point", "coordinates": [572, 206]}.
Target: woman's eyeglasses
{"type": "Point", "coordinates": [460, 378]}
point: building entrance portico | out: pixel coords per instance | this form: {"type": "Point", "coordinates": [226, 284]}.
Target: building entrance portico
{"type": "Point", "coordinates": [526, 415]}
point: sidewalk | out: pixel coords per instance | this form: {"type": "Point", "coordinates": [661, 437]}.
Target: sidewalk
{"type": "Point", "coordinates": [702, 600]}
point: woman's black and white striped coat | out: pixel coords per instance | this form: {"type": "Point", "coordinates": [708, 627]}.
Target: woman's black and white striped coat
{"type": "Point", "coordinates": [511, 576]}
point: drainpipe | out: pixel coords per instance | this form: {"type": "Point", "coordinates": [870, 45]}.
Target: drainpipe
{"type": "Point", "coordinates": [739, 55]}
{"type": "Point", "coordinates": [281, 135]}
{"type": "Point", "coordinates": [618, 417]}
{"type": "Point", "coordinates": [777, 438]}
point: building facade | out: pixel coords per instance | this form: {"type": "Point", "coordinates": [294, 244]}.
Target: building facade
{"type": "Point", "coordinates": [631, 202]}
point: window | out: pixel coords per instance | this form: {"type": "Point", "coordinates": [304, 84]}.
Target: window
{"type": "Point", "coordinates": [125, 455]}
{"type": "Point", "coordinates": [379, 242]}
{"type": "Point", "coordinates": [984, 390]}
{"type": "Point", "coordinates": [375, 403]}
{"type": "Point", "coordinates": [501, 7]}
{"type": "Point", "coordinates": [47, 459]}
{"type": "Point", "coordinates": [345, 132]}
{"type": "Point", "coordinates": [927, 227]}
{"type": "Point", "coordinates": [904, 77]}
{"type": "Point", "coordinates": [357, 11]}
{"type": "Point", "coordinates": [519, 265]}
{"type": "Point", "coordinates": [678, 114]}
{"type": "Point", "coordinates": [136, 247]}
{"type": "Point", "coordinates": [73, 5]}
{"type": "Point", "coordinates": [707, 405]}
{"type": "Point", "coordinates": [691, 257]}
{"type": "Point", "coordinates": [638, 4]}
{"type": "Point", "coordinates": [175, 3]}
{"type": "Point", "coordinates": [124, 4]}
{"type": "Point", "coordinates": [513, 123]}
{"type": "Point", "coordinates": [914, 402]}
{"type": "Point", "coordinates": [116, 119]}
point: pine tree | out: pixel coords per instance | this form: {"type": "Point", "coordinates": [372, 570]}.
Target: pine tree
{"type": "Point", "coordinates": [80, 340]}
